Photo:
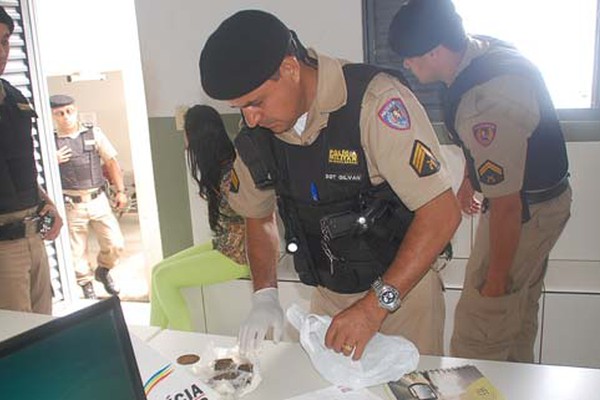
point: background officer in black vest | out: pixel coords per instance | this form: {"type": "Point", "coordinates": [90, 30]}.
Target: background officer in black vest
{"type": "Point", "coordinates": [499, 111]}
{"type": "Point", "coordinates": [81, 152]}
{"type": "Point", "coordinates": [27, 215]}
{"type": "Point", "coordinates": [336, 130]}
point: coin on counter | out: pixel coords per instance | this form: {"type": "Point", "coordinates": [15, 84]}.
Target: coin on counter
{"type": "Point", "coordinates": [188, 359]}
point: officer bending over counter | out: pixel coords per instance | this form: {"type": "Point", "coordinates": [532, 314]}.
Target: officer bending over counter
{"type": "Point", "coordinates": [347, 155]}
{"type": "Point", "coordinates": [499, 111]}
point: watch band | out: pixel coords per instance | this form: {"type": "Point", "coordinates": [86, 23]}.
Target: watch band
{"type": "Point", "coordinates": [388, 296]}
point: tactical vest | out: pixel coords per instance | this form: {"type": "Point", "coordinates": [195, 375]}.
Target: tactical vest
{"type": "Point", "coordinates": [327, 183]}
{"type": "Point", "coordinates": [547, 163]}
{"type": "Point", "coordinates": [18, 174]}
{"type": "Point", "coordinates": [84, 168]}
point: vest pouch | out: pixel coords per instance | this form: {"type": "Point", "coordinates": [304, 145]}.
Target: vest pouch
{"type": "Point", "coordinates": [352, 277]}
{"type": "Point", "coordinates": [304, 271]}
{"type": "Point", "coordinates": [354, 268]}
{"type": "Point", "coordinates": [385, 233]}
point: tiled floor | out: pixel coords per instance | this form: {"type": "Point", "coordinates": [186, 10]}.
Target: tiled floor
{"type": "Point", "coordinates": [131, 274]}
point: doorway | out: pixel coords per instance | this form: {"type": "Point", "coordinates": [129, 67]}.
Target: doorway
{"type": "Point", "coordinates": [90, 50]}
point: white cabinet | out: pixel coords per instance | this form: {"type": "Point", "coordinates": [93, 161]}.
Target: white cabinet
{"type": "Point", "coordinates": [228, 304]}
{"type": "Point", "coordinates": [571, 330]}
{"type": "Point", "coordinates": [221, 308]}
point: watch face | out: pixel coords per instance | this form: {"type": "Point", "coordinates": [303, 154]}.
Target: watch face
{"type": "Point", "coordinates": [388, 297]}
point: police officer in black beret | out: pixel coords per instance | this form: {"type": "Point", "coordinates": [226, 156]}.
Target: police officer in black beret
{"type": "Point", "coordinates": [350, 158]}
{"type": "Point", "coordinates": [27, 215]}
{"type": "Point", "coordinates": [499, 111]}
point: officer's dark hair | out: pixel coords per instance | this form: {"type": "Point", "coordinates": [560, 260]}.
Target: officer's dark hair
{"type": "Point", "coordinates": [296, 48]}
{"type": "Point", "coordinates": [210, 154]}
{"type": "Point", "coordinates": [7, 20]}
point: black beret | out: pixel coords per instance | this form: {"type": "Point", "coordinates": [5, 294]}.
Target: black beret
{"type": "Point", "coordinates": [421, 25]}
{"type": "Point", "coordinates": [61, 100]}
{"type": "Point", "coordinates": [245, 50]}
{"type": "Point", "coordinates": [7, 20]}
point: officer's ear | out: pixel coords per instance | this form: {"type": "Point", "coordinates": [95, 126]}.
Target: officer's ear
{"type": "Point", "coordinates": [290, 68]}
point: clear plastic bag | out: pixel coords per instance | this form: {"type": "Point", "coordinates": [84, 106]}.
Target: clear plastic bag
{"type": "Point", "coordinates": [386, 358]}
{"type": "Point", "coordinates": [227, 372]}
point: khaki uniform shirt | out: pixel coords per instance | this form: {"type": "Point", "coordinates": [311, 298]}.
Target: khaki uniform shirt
{"type": "Point", "coordinates": [495, 120]}
{"type": "Point", "coordinates": [104, 148]}
{"type": "Point", "coordinates": [398, 140]}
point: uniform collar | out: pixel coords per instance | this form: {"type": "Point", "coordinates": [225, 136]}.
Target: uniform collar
{"type": "Point", "coordinates": [475, 48]}
{"type": "Point", "coordinates": [331, 96]}
{"type": "Point", "coordinates": [82, 128]}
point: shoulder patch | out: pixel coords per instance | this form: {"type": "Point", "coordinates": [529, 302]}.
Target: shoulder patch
{"type": "Point", "coordinates": [490, 173]}
{"type": "Point", "coordinates": [484, 133]}
{"type": "Point", "coordinates": [234, 184]}
{"type": "Point", "coordinates": [394, 114]}
{"type": "Point", "coordinates": [423, 161]}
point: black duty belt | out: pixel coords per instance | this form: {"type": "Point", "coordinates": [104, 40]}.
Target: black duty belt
{"type": "Point", "coordinates": [82, 199]}
{"type": "Point", "coordinates": [18, 229]}
{"type": "Point", "coordinates": [545, 195]}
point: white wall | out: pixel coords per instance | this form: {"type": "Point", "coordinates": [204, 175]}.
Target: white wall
{"type": "Point", "coordinates": [91, 100]}
{"type": "Point", "coordinates": [101, 35]}
{"type": "Point", "coordinates": [173, 33]}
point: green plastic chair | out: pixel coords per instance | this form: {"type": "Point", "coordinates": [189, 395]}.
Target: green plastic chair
{"type": "Point", "coordinates": [200, 265]}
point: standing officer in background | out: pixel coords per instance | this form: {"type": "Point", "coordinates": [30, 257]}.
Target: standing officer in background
{"type": "Point", "coordinates": [81, 152]}
{"type": "Point", "coordinates": [499, 111]}
{"type": "Point", "coordinates": [27, 215]}
{"type": "Point", "coordinates": [352, 156]}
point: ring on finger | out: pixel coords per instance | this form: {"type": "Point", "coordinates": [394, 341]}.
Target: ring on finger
{"type": "Point", "coordinates": [347, 348]}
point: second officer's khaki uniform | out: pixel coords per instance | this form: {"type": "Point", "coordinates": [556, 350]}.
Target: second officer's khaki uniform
{"type": "Point", "coordinates": [495, 121]}
{"type": "Point", "coordinates": [96, 214]}
{"type": "Point", "coordinates": [395, 151]}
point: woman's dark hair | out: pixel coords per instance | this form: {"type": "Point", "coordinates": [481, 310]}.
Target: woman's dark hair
{"type": "Point", "coordinates": [209, 155]}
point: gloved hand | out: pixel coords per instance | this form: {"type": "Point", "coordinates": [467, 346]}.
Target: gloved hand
{"type": "Point", "coordinates": [266, 312]}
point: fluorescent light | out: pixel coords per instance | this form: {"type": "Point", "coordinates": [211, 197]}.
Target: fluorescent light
{"type": "Point", "coordinates": [86, 76]}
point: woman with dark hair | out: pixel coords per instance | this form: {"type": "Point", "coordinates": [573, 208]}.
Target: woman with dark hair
{"type": "Point", "coordinates": [210, 156]}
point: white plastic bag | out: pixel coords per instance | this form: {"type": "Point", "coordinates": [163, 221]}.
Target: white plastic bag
{"type": "Point", "coordinates": [386, 358]}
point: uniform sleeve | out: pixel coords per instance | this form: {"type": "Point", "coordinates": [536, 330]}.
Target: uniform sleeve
{"type": "Point", "coordinates": [400, 144]}
{"type": "Point", "coordinates": [245, 198]}
{"type": "Point", "coordinates": [495, 123]}
{"type": "Point", "coordinates": [104, 146]}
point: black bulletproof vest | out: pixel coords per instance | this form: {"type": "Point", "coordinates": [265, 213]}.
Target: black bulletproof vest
{"type": "Point", "coordinates": [84, 168]}
{"type": "Point", "coordinates": [547, 161]}
{"type": "Point", "coordinates": [18, 175]}
{"type": "Point", "coordinates": [328, 178]}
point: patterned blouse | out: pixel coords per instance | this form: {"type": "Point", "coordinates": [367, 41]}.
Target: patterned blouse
{"type": "Point", "coordinates": [230, 238]}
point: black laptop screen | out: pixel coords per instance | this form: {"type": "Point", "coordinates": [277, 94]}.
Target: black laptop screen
{"type": "Point", "coordinates": [85, 355]}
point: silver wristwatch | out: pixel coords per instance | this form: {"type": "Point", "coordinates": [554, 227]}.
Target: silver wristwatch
{"type": "Point", "coordinates": [387, 295]}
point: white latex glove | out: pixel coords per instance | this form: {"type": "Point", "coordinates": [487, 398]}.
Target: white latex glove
{"type": "Point", "coordinates": [266, 312]}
